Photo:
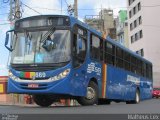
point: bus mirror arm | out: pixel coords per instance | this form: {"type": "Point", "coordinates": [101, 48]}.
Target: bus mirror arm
{"type": "Point", "coordinates": [7, 40]}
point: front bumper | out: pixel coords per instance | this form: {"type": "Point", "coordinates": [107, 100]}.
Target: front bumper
{"type": "Point", "coordinates": [57, 87]}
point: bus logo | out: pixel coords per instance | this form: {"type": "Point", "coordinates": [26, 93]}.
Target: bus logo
{"type": "Point", "coordinates": [133, 79]}
{"type": "Point", "coordinates": [92, 68]}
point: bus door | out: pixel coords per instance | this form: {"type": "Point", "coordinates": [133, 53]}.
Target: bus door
{"type": "Point", "coordinates": [79, 57]}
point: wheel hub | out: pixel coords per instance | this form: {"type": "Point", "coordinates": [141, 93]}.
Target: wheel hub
{"type": "Point", "coordinates": [90, 93]}
{"type": "Point", "coordinates": [137, 97]}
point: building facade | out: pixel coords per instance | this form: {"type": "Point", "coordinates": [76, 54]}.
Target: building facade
{"type": "Point", "coordinates": [122, 28]}
{"type": "Point", "coordinates": [103, 22]}
{"type": "Point", "coordinates": [94, 21]}
{"type": "Point", "coordinates": [144, 25]}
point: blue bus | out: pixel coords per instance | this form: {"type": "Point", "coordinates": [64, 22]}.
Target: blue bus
{"type": "Point", "coordinates": [57, 57]}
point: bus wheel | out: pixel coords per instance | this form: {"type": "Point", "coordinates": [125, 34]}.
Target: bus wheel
{"type": "Point", "coordinates": [137, 99]}
{"type": "Point", "coordinates": [92, 95]}
{"type": "Point", "coordinates": [42, 100]}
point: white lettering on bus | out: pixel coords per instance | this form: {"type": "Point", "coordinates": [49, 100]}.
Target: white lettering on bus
{"type": "Point", "coordinates": [92, 68]}
{"type": "Point", "coordinates": [133, 79]}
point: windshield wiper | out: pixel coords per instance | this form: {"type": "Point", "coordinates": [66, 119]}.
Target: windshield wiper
{"type": "Point", "coordinates": [46, 40]}
{"type": "Point", "coordinates": [49, 33]}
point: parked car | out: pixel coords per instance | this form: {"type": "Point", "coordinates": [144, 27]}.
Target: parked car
{"type": "Point", "coordinates": [156, 92]}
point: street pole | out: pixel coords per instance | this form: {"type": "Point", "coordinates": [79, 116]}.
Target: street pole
{"type": "Point", "coordinates": [76, 8]}
{"type": "Point", "coordinates": [61, 7]}
{"type": "Point", "coordinates": [11, 11]}
{"type": "Point", "coordinates": [14, 15]}
{"type": "Point", "coordinates": [17, 10]}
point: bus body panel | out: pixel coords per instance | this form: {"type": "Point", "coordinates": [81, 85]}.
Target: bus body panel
{"type": "Point", "coordinates": [120, 87]}
{"type": "Point", "coordinates": [59, 86]}
{"type": "Point", "coordinates": [114, 83]}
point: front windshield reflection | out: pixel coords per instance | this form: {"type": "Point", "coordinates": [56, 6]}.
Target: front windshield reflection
{"type": "Point", "coordinates": [31, 48]}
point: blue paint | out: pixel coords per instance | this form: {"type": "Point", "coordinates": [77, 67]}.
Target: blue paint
{"type": "Point", "coordinates": [76, 82]}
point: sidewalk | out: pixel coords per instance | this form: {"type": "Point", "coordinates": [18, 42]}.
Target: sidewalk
{"type": "Point", "coordinates": [16, 104]}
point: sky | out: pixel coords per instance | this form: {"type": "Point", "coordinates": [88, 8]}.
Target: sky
{"type": "Point", "coordinates": [85, 7]}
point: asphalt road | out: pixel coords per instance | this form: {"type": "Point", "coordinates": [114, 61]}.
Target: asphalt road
{"type": "Point", "coordinates": [148, 106]}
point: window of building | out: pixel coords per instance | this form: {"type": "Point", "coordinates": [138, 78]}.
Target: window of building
{"type": "Point", "coordinates": [134, 10]}
{"type": "Point", "coordinates": [126, 24]}
{"type": "Point", "coordinates": [131, 26]}
{"type": "Point", "coordinates": [141, 34]}
{"type": "Point", "coordinates": [135, 23]}
{"type": "Point", "coordinates": [140, 20]}
{"type": "Point", "coordinates": [132, 39]}
{"type": "Point", "coordinates": [140, 52]}
{"type": "Point", "coordinates": [136, 36]}
{"type": "Point", "coordinates": [130, 14]}
{"type": "Point", "coordinates": [139, 6]}
{"type": "Point", "coordinates": [130, 2]}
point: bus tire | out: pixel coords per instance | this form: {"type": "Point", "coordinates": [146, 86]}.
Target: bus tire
{"type": "Point", "coordinates": [43, 100]}
{"type": "Point", "coordinates": [92, 95]}
{"type": "Point", "coordinates": [137, 98]}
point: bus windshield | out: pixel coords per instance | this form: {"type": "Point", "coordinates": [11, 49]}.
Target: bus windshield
{"type": "Point", "coordinates": [41, 47]}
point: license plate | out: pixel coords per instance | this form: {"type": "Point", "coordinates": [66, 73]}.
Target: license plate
{"type": "Point", "coordinates": [33, 85]}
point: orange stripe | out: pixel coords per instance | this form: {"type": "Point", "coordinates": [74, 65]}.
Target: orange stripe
{"type": "Point", "coordinates": [104, 76]}
{"type": "Point", "coordinates": [104, 71]}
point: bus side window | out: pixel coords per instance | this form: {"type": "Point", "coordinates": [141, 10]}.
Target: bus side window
{"type": "Point", "coordinates": [148, 71]}
{"type": "Point", "coordinates": [133, 64]}
{"type": "Point", "coordinates": [109, 53]}
{"type": "Point", "coordinates": [127, 61]}
{"type": "Point", "coordinates": [79, 50]}
{"type": "Point", "coordinates": [95, 47]}
{"type": "Point", "coordinates": [119, 57]}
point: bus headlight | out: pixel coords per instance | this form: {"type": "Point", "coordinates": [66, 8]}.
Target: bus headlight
{"type": "Point", "coordinates": [60, 76]}
{"type": "Point", "coordinates": [10, 75]}
{"type": "Point", "coordinates": [66, 72]}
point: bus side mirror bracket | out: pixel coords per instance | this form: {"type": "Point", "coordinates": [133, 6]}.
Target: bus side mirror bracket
{"type": "Point", "coordinates": [7, 40]}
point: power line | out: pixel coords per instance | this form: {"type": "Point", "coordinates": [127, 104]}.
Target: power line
{"type": "Point", "coordinates": [90, 8]}
{"type": "Point", "coordinates": [48, 8]}
{"type": "Point", "coordinates": [31, 8]}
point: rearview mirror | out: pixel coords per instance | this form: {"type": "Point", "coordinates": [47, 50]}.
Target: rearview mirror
{"type": "Point", "coordinates": [7, 40]}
